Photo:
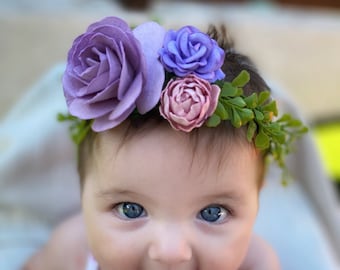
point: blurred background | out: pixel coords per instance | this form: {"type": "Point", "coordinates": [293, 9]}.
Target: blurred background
{"type": "Point", "coordinates": [295, 43]}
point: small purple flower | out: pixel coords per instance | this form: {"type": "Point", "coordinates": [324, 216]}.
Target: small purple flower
{"type": "Point", "coordinates": [189, 51]}
{"type": "Point", "coordinates": [111, 70]}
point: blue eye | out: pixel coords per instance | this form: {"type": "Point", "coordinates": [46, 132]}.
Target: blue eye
{"type": "Point", "coordinates": [130, 210]}
{"type": "Point", "coordinates": [214, 213]}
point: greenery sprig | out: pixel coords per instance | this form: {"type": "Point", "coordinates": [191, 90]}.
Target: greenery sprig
{"type": "Point", "coordinates": [78, 127]}
{"type": "Point", "coordinates": [258, 112]}
{"type": "Point", "coordinates": [271, 134]}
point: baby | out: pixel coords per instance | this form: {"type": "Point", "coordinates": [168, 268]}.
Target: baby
{"type": "Point", "coordinates": [173, 131]}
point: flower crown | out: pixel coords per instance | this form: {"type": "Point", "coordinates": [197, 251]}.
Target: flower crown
{"type": "Point", "coordinates": [114, 72]}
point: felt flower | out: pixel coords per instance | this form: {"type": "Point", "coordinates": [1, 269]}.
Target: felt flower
{"type": "Point", "coordinates": [188, 50]}
{"type": "Point", "coordinates": [112, 70]}
{"type": "Point", "coordinates": [187, 102]}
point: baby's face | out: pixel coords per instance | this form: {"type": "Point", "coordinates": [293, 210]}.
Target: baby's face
{"type": "Point", "coordinates": [149, 204]}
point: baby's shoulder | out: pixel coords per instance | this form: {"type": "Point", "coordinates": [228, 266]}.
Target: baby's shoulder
{"type": "Point", "coordinates": [66, 248]}
{"type": "Point", "coordinates": [260, 256]}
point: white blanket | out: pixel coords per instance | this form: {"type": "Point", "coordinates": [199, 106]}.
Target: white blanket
{"type": "Point", "coordinates": [39, 188]}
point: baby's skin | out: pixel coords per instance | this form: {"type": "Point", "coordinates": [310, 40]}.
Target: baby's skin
{"type": "Point", "coordinates": [163, 209]}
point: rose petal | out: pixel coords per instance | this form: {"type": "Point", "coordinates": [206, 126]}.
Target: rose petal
{"type": "Point", "coordinates": [214, 61]}
{"type": "Point", "coordinates": [195, 111]}
{"type": "Point", "coordinates": [103, 62]}
{"type": "Point", "coordinates": [172, 49]}
{"type": "Point", "coordinates": [87, 74]}
{"type": "Point", "coordinates": [184, 44]}
{"type": "Point", "coordinates": [70, 82]}
{"type": "Point", "coordinates": [185, 66]}
{"type": "Point", "coordinates": [219, 75]}
{"type": "Point", "coordinates": [151, 37]}
{"type": "Point", "coordinates": [84, 110]}
{"type": "Point", "coordinates": [108, 93]}
{"type": "Point", "coordinates": [168, 61]}
{"type": "Point", "coordinates": [198, 54]}
{"type": "Point", "coordinates": [110, 21]}
{"type": "Point", "coordinates": [129, 100]}
{"type": "Point", "coordinates": [215, 92]}
{"type": "Point", "coordinates": [105, 123]}
{"type": "Point", "coordinates": [127, 74]}
{"type": "Point", "coordinates": [181, 120]}
{"type": "Point", "coordinates": [115, 66]}
{"type": "Point", "coordinates": [97, 84]}
{"type": "Point", "coordinates": [202, 39]}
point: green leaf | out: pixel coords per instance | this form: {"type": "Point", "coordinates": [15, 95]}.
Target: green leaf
{"type": "Point", "coordinates": [82, 132]}
{"type": "Point", "coordinates": [236, 119]}
{"type": "Point", "coordinates": [251, 101]}
{"type": "Point", "coordinates": [221, 111]}
{"type": "Point", "coordinates": [263, 97]}
{"type": "Point", "coordinates": [284, 118]}
{"type": "Point", "coordinates": [262, 140]}
{"type": "Point", "coordinates": [228, 90]}
{"type": "Point", "coordinates": [220, 83]}
{"type": "Point", "coordinates": [295, 123]}
{"type": "Point", "coordinates": [213, 121]}
{"type": "Point", "coordinates": [242, 79]}
{"type": "Point", "coordinates": [271, 107]}
{"type": "Point", "coordinates": [252, 127]}
{"type": "Point", "coordinates": [303, 130]}
{"type": "Point", "coordinates": [258, 115]}
{"type": "Point", "coordinates": [278, 135]}
{"type": "Point", "coordinates": [66, 117]}
{"type": "Point", "coordinates": [238, 101]}
{"type": "Point", "coordinates": [246, 115]}
{"type": "Point", "coordinates": [268, 116]}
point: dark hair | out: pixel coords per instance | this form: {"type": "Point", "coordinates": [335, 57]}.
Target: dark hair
{"type": "Point", "coordinates": [222, 135]}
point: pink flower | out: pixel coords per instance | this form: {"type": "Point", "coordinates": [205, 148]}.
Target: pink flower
{"type": "Point", "coordinates": [187, 102]}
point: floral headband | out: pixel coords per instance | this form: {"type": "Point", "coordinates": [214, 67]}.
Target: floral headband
{"type": "Point", "coordinates": [113, 72]}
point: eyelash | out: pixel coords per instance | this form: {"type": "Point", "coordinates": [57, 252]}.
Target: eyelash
{"type": "Point", "coordinates": [222, 211]}
{"type": "Point", "coordinates": [135, 207]}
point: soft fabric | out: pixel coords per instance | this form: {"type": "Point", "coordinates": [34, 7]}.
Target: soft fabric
{"type": "Point", "coordinates": [39, 188]}
{"type": "Point", "coordinates": [38, 180]}
{"type": "Point", "coordinates": [91, 263]}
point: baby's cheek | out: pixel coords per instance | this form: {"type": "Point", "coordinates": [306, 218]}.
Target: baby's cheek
{"type": "Point", "coordinates": [114, 250]}
{"type": "Point", "coordinates": [226, 252]}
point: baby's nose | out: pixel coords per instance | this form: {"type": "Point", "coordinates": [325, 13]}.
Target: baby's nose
{"type": "Point", "coordinates": [170, 246]}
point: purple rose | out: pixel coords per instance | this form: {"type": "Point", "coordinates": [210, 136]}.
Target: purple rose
{"type": "Point", "coordinates": [189, 51]}
{"type": "Point", "coordinates": [187, 102]}
{"type": "Point", "coordinates": [112, 70]}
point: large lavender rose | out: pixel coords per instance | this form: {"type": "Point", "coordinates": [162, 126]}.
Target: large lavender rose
{"type": "Point", "coordinates": [188, 50]}
{"type": "Point", "coordinates": [111, 70]}
{"type": "Point", "coordinates": [187, 102]}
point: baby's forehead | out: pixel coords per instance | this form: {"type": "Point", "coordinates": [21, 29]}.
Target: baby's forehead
{"type": "Point", "coordinates": [164, 160]}
{"type": "Point", "coordinates": [161, 143]}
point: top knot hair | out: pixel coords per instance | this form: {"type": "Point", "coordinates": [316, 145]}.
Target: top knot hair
{"type": "Point", "coordinates": [235, 62]}
{"type": "Point", "coordinates": [221, 35]}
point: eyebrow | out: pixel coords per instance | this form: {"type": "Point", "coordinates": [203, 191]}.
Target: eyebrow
{"type": "Point", "coordinates": [111, 192]}
{"type": "Point", "coordinates": [225, 195]}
